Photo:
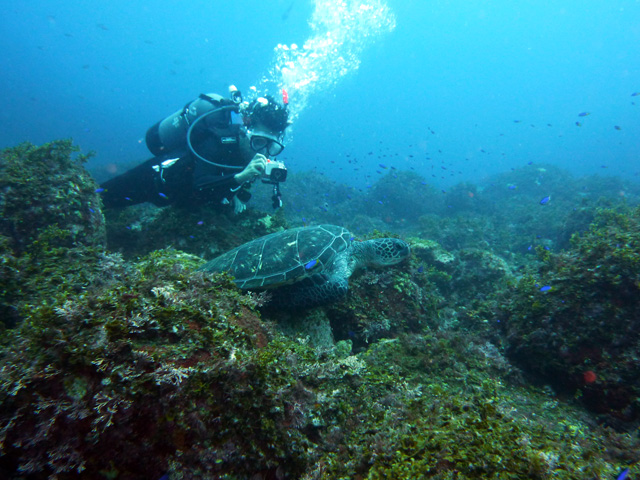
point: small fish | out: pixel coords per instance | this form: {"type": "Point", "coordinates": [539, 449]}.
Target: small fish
{"type": "Point", "coordinates": [635, 94]}
{"type": "Point", "coordinates": [382, 166]}
{"type": "Point", "coordinates": [530, 247]}
{"type": "Point", "coordinates": [545, 200]}
{"type": "Point", "coordinates": [546, 288]}
{"type": "Point", "coordinates": [420, 269]}
{"type": "Point", "coordinates": [623, 474]}
{"type": "Point", "coordinates": [99, 190]}
{"type": "Point", "coordinates": [200, 223]}
{"type": "Point", "coordinates": [617, 127]}
{"type": "Point", "coordinates": [512, 187]}
{"type": "Point", "coordinates": [311, 264]}
{"type": "Point", "coordinates": [578, 124]}
{"type": "Point", "coordinates": [584, 114]}
{"type": "Point", "coordinates": [162, 195]}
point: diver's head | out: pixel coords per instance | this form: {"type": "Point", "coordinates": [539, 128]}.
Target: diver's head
{"type": "Point", "coordinates": [265, 121]}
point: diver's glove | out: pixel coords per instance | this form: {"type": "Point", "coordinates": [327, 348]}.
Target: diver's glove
{"type": "Point", "coordinates": [238, 205]}
{"type": "Point", "coordinates": [252, 171]}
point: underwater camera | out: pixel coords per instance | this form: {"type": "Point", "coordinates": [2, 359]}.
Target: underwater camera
{"type": "Point", "coordinates": [275, 172]}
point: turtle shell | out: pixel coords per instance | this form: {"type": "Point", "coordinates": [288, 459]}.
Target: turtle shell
{"type": "Point", "coordinates": [283, 257]}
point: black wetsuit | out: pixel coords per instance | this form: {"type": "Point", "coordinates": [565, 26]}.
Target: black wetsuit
{"type": "Point", "coordinates": [189, 180]}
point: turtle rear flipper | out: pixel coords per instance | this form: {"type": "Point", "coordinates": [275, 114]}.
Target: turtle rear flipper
{"type": "Point", "coordinates": [314, 290]}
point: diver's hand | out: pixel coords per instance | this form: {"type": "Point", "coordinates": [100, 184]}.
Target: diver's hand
{"type": "Point", "coordinates": [252, 171]}
{"type": "Point", "coordinates": [238, 205]}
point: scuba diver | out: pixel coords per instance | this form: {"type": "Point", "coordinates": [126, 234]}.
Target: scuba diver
{"type": "Point", "coordinates": [209, 151]}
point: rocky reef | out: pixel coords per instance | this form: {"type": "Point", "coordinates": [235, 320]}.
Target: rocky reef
{"type": "Point", "coordinates": [576, 321]}
{"type": "Point", "coordinates": [132, 364]}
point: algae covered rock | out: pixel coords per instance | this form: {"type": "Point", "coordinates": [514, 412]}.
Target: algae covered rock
{"type": "Point", "coordinates": [155, 362]}
{"type": "Point", "coordinates": [45, 186]}
{"type": "Point", "coordinates": [48, 207]}
{"type": "Point", "coordinates": [432, 253]}
{"type": "Point", "coordinates": [576, 324]}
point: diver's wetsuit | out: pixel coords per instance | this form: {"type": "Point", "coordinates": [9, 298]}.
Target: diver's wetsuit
{"type": "Point", "coordinates": [187, 181]}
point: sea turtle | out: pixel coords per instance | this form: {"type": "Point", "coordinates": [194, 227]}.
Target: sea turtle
{"type": "Point", "coordinates": [308, 265]}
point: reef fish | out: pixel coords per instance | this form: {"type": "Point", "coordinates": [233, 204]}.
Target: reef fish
{"type": "Point", "coordinates": [311, 264]}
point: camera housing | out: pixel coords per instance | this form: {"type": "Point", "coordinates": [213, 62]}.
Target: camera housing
{"type": "Point", "coordinates": [274, 172]}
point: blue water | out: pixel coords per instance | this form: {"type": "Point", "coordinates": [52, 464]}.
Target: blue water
{"type": "Point", "coordinates": [455, 90]}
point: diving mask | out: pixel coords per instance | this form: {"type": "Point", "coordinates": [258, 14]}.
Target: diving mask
{"type": "Point", "coordinates": [265, 143]}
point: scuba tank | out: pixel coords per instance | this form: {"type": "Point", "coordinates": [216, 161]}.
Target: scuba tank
{"type": "Point", "coordinates": [170, 133]}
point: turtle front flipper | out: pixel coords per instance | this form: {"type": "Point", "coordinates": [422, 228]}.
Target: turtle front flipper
{"type": "Point", "coordinates": [314, 290]}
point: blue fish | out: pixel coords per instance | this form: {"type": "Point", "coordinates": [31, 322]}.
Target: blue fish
{"type": "Point", "coordinates": [162, 195]}
{"type": "Point", "coordinates": [623, 474]}
{"type": "Point", "coordinates": [311, 264]}
{"type": "Point", "coordinates": [584, 114]}
{"type": "Point", "coordinates": [545, 200]}
{"type": "Point", "coordinates": [617, 127]}
{"type": "Point", "coordinates": [635, 94]}
{"type": "Point", "coordinates": [546, 288]}
{"type": "Point", "coordinates": [99, 190]}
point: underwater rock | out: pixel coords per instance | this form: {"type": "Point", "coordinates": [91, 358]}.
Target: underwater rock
{"type": "Point", "coordinates": [432, 253]}
{"type": "Point", "coordinates": [46, 186]}
{"type": "Point", "coordinates": [478, 273]}
{"type": "Point", "coordinates": [49, 207]}
{"type": "Point", "coordinates": [401, 197]}
{"type": "Point", "coordinates": [576, 324]}
{"type": "Point", "coordinates": [205, 231]}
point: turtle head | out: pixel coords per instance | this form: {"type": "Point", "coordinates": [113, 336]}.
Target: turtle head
{"type": "Point", "coordinates": [388, 251]}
